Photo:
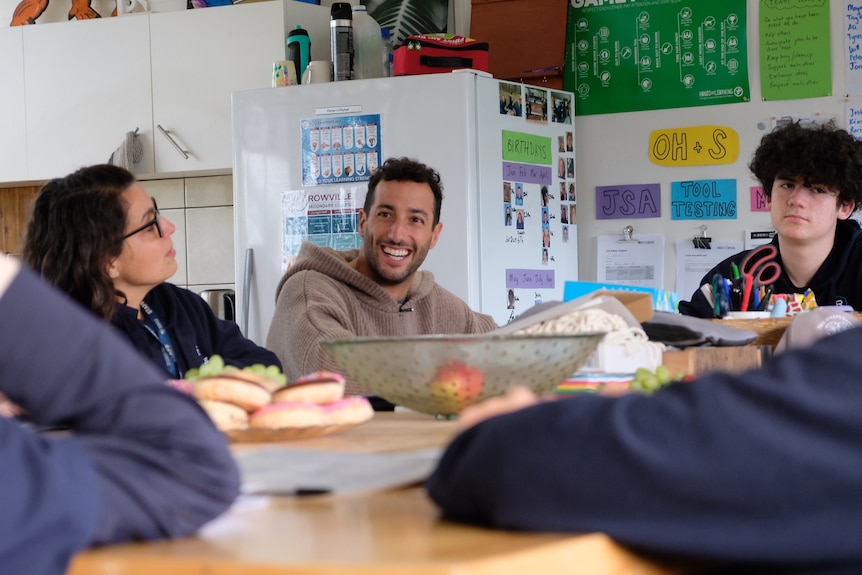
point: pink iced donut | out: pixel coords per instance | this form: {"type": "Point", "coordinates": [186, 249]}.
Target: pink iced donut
{"type": "Point", "coordinates": [350, 410]}
{"type": "Point", "coordinates": [288, 414]}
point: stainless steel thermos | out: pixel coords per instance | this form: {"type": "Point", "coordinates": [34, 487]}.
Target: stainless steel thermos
{"type": "Point", "coordinates": [341, 34]}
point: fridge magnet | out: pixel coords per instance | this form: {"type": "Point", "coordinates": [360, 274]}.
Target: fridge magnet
{"type": "Point", "coordinates": [566, 234]}
{"type": "Point", "coordinates": [561, 144]}
{"type": "Point", "coordinates": [508, 217]}
{"type": "Point", "coordinates": [546, 224]}
{"type": "Point", "coordinates": [570, 142]}
{"type": "Point", "coordinates": [519, 194]}
{"type": "Point", "coordinates": [573, 196]}
{"type": "Point", "coordinates": [544, 256]}
{"type": "Point", "coordinates": [507, 192]}
{"type": "Point", "coordinates": [519, 220]}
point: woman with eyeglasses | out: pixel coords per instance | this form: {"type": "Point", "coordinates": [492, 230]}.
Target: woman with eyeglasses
{"type": "Point", "coordinates": [98, 236]}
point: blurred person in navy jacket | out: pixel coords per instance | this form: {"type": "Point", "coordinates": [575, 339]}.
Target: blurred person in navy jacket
{"type": "Point", "coordinates": [142, 460]}
{"type": "Point", "coordinates": [753, 473]}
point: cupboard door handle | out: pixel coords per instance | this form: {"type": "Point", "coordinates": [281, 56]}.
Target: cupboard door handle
{"type": "Point", "coordinates": [173, 142]}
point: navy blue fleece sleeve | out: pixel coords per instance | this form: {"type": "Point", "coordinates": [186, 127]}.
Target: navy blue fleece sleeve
{"type": "Point", "coordinates": [761, 468]}
{"type": "Point", "coordinates": [143, 462]}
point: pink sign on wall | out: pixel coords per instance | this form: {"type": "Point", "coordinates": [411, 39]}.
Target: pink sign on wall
{"type": "Point", "coordinates": [758, 199]}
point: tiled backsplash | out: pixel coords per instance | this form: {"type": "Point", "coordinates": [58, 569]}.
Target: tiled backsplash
{"type": "Point", "coordinates": [202, 210]}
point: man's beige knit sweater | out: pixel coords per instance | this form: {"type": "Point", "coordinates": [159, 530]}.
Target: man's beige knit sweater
{"type": "Point", "coordinates": [321, 297]}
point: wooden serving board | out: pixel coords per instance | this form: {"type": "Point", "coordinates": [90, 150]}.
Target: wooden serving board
{"type": "Point", "coordinates": [386, 432]}
{"type": "Point", "coordinates": [285, 433]}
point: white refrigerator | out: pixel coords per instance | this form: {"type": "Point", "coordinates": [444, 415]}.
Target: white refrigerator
{"type": "Point", "coordinates": [505, 152]}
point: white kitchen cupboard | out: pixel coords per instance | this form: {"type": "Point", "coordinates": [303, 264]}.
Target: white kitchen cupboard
{"type": "Point", "coordinates": [13, 135]}
{"type": "Point", "coordinates": [87, 83]}
{"type": "Point", "coordinates": [198, 58]}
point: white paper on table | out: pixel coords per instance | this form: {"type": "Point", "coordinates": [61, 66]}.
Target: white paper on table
{"type": "Point", "coordinates": [279, 470]}
{"type": "Point", "coordinates": [693, 263]}
{"type": "Point", "coordinates": [638, 262]}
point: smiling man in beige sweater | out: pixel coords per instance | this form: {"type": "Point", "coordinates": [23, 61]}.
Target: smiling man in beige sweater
{"type": "Point", "coordinates": [377, 290]}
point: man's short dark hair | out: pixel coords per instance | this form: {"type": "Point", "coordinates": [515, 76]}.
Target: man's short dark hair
{"type": "Point", "coordinates": [406, 170]}
{"type": "Point", "coordinates": [818, 153]}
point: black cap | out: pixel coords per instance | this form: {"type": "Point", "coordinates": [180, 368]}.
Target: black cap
{"type": "Point", "coordinates": [298, 31]}
{"type": "Point", "coordinates": [341, 11]}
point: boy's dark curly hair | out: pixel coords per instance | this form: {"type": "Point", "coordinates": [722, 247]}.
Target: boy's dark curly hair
{"type": "Point", "coordinates": [819, 154]}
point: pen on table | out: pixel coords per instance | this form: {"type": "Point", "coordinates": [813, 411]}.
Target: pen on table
{"type": "Point", "coordinates": [298, 492]}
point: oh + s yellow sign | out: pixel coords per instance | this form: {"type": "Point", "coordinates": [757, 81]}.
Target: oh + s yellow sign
{"type": "Point", "coordinates": [694, 146]}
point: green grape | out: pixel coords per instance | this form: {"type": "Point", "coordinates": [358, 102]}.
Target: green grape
{"type": "Point", "coordinates": [272, 371]}
{"type": "Point", "coordinates": [651, 382]}
{"type": "Point", "coordinates": [663, 375]}
{"type": "Point", "coordinates": [646, 381]}
{"type": "Point", "coordinates": [192, 374]}
{"type": "Point", "coordinates": [216, 363]}
{"type": "Point", "coordinates": [257, 369]}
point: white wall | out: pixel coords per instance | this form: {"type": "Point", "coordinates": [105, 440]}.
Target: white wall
{"type": "Point", "coordinates": [612, 149]}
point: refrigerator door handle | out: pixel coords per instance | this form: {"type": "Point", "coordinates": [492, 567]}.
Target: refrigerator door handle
{"type": "Point", "coordinates": [246, 289]}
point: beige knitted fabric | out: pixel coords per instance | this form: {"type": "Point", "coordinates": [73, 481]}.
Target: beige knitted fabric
{"type": "Point", "coordinates": [322, 297]}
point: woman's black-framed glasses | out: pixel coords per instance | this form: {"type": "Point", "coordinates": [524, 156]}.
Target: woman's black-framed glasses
{"type": "Point", "coordinates": [155, 222]}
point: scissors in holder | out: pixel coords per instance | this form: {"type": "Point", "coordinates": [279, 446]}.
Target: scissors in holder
{"type": "Point", "coordinates": [758, 269]}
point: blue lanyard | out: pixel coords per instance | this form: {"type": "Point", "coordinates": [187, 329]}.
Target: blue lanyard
{"type": "Point", "coordinates": [161, 334]}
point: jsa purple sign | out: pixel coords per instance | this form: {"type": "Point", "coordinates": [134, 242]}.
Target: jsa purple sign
{"type": "Point", "coordinates": [629, 201]}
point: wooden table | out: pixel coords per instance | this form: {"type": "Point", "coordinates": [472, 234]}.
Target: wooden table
{"type": "Point", "coordinates": [382, 533]}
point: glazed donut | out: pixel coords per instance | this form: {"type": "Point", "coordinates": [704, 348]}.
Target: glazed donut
{"type": "Point", "coordinates": [349, 411]}
{"type": "Point", "coordinates": [317, 387]}
{"type": "Point", "coordinates": [293, 414]}
{"type": "Point", "coordinates": [225, 416]}
{"type": "Point", "coordinates": [231, 389]}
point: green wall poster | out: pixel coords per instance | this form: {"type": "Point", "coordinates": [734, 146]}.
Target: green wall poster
{"type": "Point", "coordinates": [794, 49]}
{"type": "Point", "coordinates": [630, 55]}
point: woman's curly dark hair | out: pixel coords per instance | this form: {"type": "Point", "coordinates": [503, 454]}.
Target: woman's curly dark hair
{"type": "Point", "coordinates": [819, 154]}
{"type": "Point", "coordinates": [76, 229]}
